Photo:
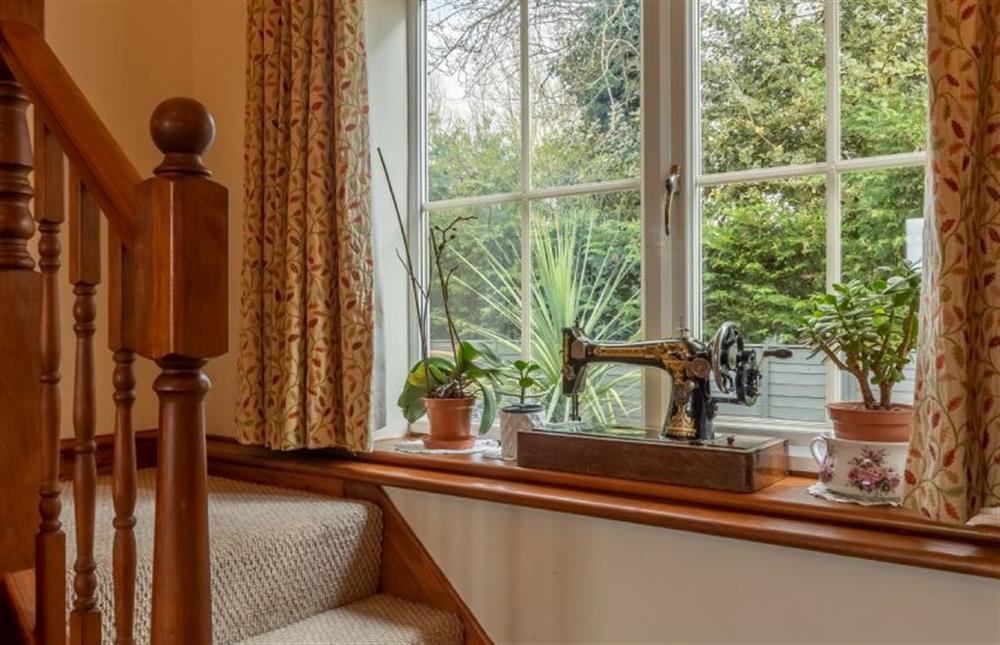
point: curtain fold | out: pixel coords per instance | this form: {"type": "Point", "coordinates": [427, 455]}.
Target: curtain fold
{"type": "Point", "coordinates": [305, 352]}
{"type": "Point", "coordinates": [953, 468]}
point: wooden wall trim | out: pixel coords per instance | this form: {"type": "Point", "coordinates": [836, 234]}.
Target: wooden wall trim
{"type": "Point", "coordinates": [977, 555]}
{"type": "Point", "coordinates": [145, 449]}
{"type": "Point", "coordinates": [788, 497]}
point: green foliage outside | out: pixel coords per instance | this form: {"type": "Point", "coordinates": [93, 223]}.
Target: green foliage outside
{"type": "Point", "coordinates": [763, 94]}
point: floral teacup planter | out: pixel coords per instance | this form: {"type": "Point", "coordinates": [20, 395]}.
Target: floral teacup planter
{"type": "Point", "coordinates": [865, 469]}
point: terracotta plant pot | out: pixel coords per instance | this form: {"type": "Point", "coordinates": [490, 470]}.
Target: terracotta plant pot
{"type": "Point", "coordinates": [853, 422]}
{"type": "Point", "coordinates": [451, 423]}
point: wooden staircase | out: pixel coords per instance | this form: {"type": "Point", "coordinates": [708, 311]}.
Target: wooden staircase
{"type": "Point", "coordinates": [167, 296]}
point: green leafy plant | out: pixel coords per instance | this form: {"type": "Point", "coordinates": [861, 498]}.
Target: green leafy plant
{"type": "Point", "coordinates": [470, 370]}
{"type": "Point", "coordinates": [521, 372]}
{"type": "Point", "coordinates": [868, 329]}
{"type": "Point", "coordinates": [469, 373]}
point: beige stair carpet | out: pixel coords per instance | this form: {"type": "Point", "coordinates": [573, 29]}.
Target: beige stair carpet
{"type": "Point", "coordinates": [278, 556]}
{"type": "Point", "coordinates": [378, 620]}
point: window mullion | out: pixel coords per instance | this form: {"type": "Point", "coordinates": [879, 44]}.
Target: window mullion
{"type": "Point", "coordinates": [691, 78]}
{"type": "Point", "coordinates": [526, 183]}
{"type": "Point", "coordinates": [833, 179]}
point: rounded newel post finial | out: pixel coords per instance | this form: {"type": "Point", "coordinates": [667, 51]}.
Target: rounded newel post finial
{"type": "Point", "coordinates": [183, 129]}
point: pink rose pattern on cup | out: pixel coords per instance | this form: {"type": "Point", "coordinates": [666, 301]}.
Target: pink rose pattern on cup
{"type": "Point", "coordinates": [870, 474]}
{"type": "Point", "coordinates": [826, 470]}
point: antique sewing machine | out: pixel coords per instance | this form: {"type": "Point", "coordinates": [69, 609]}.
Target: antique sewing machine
{"type": "Point", "coordinates": [685, 449]}
{"type": "Point", "coordinates": [693, 366]}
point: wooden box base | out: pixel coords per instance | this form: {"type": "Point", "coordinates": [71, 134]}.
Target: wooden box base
{"type": "Point", "coordinates": [743, 464]}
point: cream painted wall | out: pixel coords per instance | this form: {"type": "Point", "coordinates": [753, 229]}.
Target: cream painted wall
{"type": "Point", "coordinates": [387, 96]}
{"type": "Point", "coordinates": [534, 576]}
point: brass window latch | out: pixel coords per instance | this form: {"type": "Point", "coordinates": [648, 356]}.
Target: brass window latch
{"type": "Point", "coordinates": [672, 186]}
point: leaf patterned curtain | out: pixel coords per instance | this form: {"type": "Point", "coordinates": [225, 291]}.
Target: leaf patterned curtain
{"type": "Point", "coordinates": [305, 348]}
{"type": "Point", "coordinates": [953, 468]}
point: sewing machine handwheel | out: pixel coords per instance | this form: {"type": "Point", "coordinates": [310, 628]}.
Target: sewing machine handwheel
{"type": "Point", "coordinates": [727, 345]}
{"type": "Point", "coordinates": [748, 379]}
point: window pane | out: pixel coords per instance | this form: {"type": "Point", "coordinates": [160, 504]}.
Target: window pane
{"type": "Point", "coordinates": [485, 291]}
{"type": "Point", "coordinates": [586, 255]}
{"type": "Point", "coordinates": [763, 255]}
{"type": "Point", "coordinates": [883, 76]}
{"type": "Point", "coordinates": [882, 219]}
{"type": "Point", "coordinates": [792, 389]}
{"type": "Point", "coordinates": [473, 97]}
{"type": "Point", "coordinates": [882, 224]}
{"type": "Point", "coordinates": [585, 88]}
{"type": "Point", "coordinates": [763, 83]}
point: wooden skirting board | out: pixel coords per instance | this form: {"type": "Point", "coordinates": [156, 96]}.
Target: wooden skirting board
{"type": "Point", "coordinates": [408, 571]}
{"type": "Point", "coordinates": [145, 452]}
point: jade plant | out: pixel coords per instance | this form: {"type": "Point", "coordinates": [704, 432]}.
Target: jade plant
{"type": "Point", "coordinates": [868, 329]}
{"type": "Point", "coordinates": [469, 371]}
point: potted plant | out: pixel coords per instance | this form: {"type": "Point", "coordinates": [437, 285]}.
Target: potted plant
{"type": "Point", "coordinates": [521, 415]}
{"type": "Point", "coordinates": [869, 330]}
{"type": "Point", "coordinates": [445, 388]}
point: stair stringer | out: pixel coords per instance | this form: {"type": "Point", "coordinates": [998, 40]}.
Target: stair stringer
{"type": "Point", "coordinates": [408, 570]}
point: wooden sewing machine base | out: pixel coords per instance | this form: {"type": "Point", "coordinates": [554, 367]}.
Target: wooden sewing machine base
{"type": "Point", "coordinates": [735, 463]}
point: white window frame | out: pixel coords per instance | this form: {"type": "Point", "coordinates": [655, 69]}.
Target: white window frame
{"type": "Point", "coordinates": [670, 127]}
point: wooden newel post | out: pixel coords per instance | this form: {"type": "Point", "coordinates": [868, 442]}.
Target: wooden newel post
{"type": "Point", "coordinates": [180, 322]}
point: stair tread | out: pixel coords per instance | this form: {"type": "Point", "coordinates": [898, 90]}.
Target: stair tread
{"type": "Point", "coordinates": [381, 619]}
{"type": "Point", "coordinates": [278, 555]}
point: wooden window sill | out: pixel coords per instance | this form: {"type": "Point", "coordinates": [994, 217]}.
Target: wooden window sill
{"type": "Point", "coordinates": [783, 514]}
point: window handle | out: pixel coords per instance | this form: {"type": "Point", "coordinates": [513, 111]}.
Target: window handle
{"type": "Point", "coordinates": [672, 186]}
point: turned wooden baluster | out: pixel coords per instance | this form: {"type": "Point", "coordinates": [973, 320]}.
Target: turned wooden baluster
{"type": "Point", "coordinates": [181, 265]}
{"type": "Point", "coordinates": [121, 340]}
{"type": "Point", "coordinates": [20, 302]}
{"type": "Point", "coordinates": [85, 275]}
{"type": "Point", "coordinates": [50, 541]}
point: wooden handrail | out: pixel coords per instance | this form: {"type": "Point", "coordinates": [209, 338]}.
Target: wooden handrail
{"type": "Point", "coordinates": [87, 142]}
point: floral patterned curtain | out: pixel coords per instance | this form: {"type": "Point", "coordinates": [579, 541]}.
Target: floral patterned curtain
{"type": "Point", "coordinates": [305, 348]}
{"type": "Point", "coordinates": [953, 468]}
